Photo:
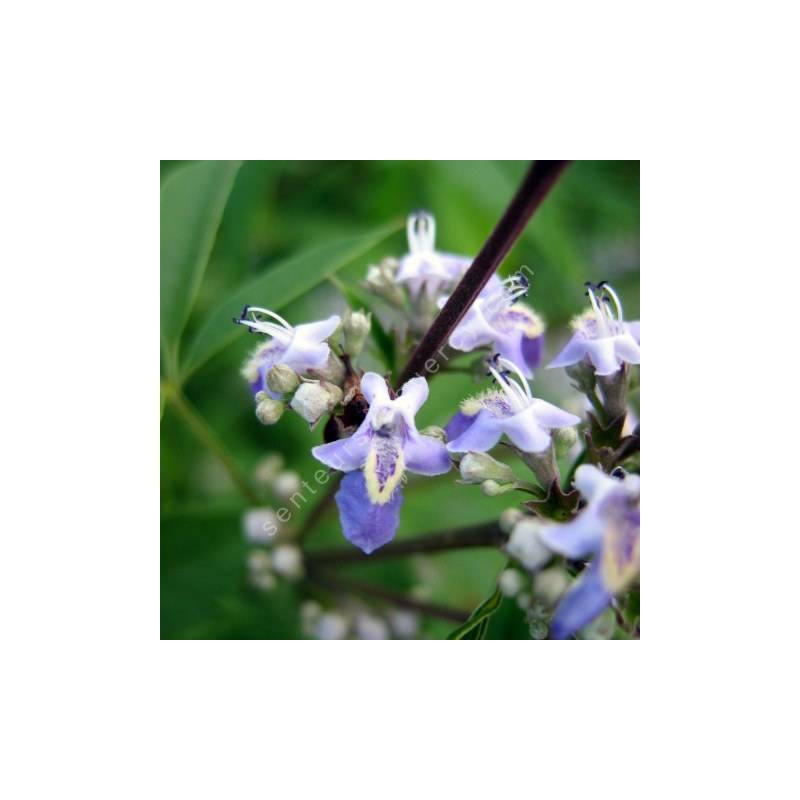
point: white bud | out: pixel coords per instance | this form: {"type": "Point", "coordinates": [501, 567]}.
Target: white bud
{"type": "Point", "coordinates": [404, 624]}
{"type": "Point", "coordinates": [356, 326]}
{"type": "Point", "coordinates": [509, 518]}
{"type": "Point", "coordinates": [369, 626]}
{"type": "Point", "coordinates": [493, 488]}
{"type": "Point", "coordinates": [263, 581]}
{"type": "Point", "coordinates": [287, 560]}
{"type": "Point", "coordinates": [282, 379]}
{"type": "Point", "coordinates": [267, 469]}
{"type": "Point", "coordinates": [380, 280]}
{"type": "Point", "coordinates": [510, 582]}
{"type": "Point", "coordinates": [333, 371]}
{"type": "Point", "coordinates": [550, 584]}
{"type": "Point", "coordinates": [526, 547]}
{"type": "Point", "coordinates": [313, 400]}
{"type": "Point", "coordinates": [259, 525]}
{"type": "Point", "coordinates": [269, 411]}
{"type": "Point", "coordinates": [479, 467]}
{"type": "Point", "coordinates": [286, 484]}
{"type": "Point", "coordinates": [258, 561]}
{"type": "Point", "coordinates": [331, 625]}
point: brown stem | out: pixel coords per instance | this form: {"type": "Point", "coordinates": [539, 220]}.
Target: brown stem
{"type": "Point", "coordinates": [349, 586]}
{"type": "Point", "coordinates": [487, 534]}
{"type": "Point", "coordinates": [322, 505]}
{"type": "Point", "coordinates": [537, 182]}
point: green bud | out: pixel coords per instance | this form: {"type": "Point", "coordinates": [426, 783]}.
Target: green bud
{"type": "Point", "coordinates": [313, 400]}
{"type": "Point", "coordinates": [564, 439]}
{"type": "Point", "coordinates": [480, 467]}
{"type": "Point", "coordinates": [269, 411]}
{"type": "Point", "coordinates": [493, 488]}
{"type": "Point", "coordinates": [282, 379]}
{"type": "Point", "coordinates": [435, 432]}
{"type": "Point", "coordinates": [356, 326]}
{"type": "Point", "coordinates": [583, 375]}
{"type": "Point", "coordinates": [510, 582]}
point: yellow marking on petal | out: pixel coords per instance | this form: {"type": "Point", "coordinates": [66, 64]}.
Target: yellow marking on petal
{"type": "Point", "coordinates": [535, 324]}
{"type": "Point", "coordinates": [619, 567]}
{"type": "Point", "coordinates": [471, 406]}
{"type": "Point", "coordinates": [578, 323]}
{"type": "Point", "coordinates": [250, 370]}
{"type": "Point", "coordinates": [380, 495]}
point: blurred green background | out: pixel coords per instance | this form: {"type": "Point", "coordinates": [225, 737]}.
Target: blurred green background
{"type": "Point", "coordinates": [343, 215]}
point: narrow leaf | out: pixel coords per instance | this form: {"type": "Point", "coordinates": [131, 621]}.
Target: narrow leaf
{"type": "Point", "coordinates": [192, 201]}
{"type": "Point", "coordinates": [277, 287]}
{"type": "Point", "coordinates": [479, 619]}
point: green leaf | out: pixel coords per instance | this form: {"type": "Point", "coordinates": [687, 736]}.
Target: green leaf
{"type": "Point", "coordinates": [192, 201]}
{"type": "Point", "coordinates": [276, 288]}
{"type": "Point", "coordinates": [479, 619]}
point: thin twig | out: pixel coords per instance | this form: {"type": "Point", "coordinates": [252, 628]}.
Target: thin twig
{"type": "Point", "coordinates": [322, 505]}
{"type": "Point", "coordinates": [203, 431]}
{"type": "Point", "coordinates": [537, 182]}
{"type": "Point", "coordinates": [342, 585]}
{"type": "Point", "coordinates": [487, 534]}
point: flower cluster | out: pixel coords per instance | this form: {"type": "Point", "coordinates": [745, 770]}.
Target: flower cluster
{"type": "Point", "coordinates": [573, 544]}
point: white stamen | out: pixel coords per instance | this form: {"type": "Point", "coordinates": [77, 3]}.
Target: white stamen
{"type": "Point", "coordinates": [615, 298]}
{"type": "Point", "coordinates": [421, 232]}
{"type": "Point", "coordinates": [517, 397]}
{"type": "Point", "coordinates": [514, 368]}
{"type": "Point", "coordinates": [269, 313]}
{"type": "Point", "coordinates": [598, 314]}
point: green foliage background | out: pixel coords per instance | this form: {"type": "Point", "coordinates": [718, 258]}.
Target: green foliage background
{"type": "Point", "coordinates": [281, 226]}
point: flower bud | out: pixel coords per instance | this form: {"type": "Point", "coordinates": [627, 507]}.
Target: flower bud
{"type": "Point", "coordinates": [369, 626]}
{"type": "Point", "coordinates": [525, 545]}
{"type": "Point", "coordinates": [493, 488]}
{"type": "Point", "coordinates": [259, 525]}
{"type": "Point", "coordinates": [269, 411]}
{"type": "Point", "coordinates": [263, 581]}
{"type": "Point", "coordinates": [258, 561]}
{"type": "Point", "coordinates": [510, 582]}
{"type": "Point", "coordinates": [356, 326]}
{"type": "Point", "coordinates": [267, 469]}
{"type": "Point", "coordinates": [480, 467]}
{"type": "Point", "coordinates": [286, 484]}
{"type": "Point", "coordinates": [509, 518]}
{"type": "Point", "coordinates": [564, 440]}
{"type": "Point", "coordinates": [435, 432]}
{"type": "Point", "coordinates": [404, 624]}
{"type": "Point", "coordinates": [287, 560]}
{"type": "Point", "coordinates": [331, 625]}
{"type": "Point", "coordinates": [550, 584]}
{"type": "Point", "coordinates": [313, 400]}
{"type": "Point", "coordinates": [333, 371]}
{"type": "Point", "coordinates": [380, 281]}
{"type": "Point", "coordinates": [282, 379]}
{"type": "Point", "coordinates": [583, 375]}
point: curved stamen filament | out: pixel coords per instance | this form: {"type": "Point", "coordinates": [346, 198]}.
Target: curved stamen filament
{"type": "Point", "coordinates": [257, 309]}
{"type": "Point", "coordinates": [504, 362]}
{"type": "Point", "coordinates": [598, 313]}
{"type": "Point", "coordinates": [615, 299]}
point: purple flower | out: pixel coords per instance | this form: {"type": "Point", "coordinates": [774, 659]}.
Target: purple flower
{"type": "Point", "coordinates": [385, 445]}
{"type": "Point", "coordinates": [601, 335]}
{"type": "Point", "coordinates": [496, 318]}
{"type": "Point", "coordinates": [608, 530]}
{"type": "Point", "coordinates": [423, 267]}
{"type": "Point", "coordinates": [511, 410]}
{"type": "Point", "coordinates": [301, 347]}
